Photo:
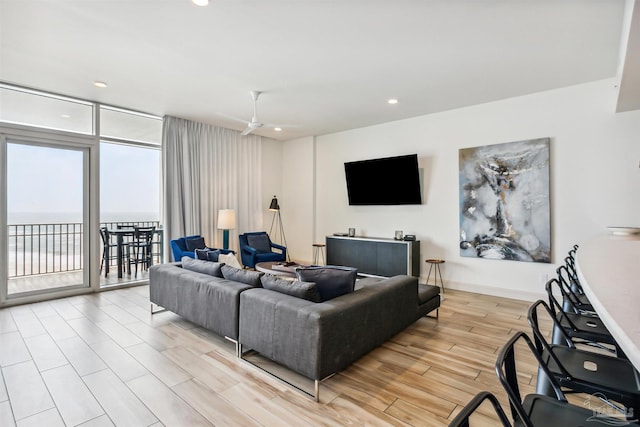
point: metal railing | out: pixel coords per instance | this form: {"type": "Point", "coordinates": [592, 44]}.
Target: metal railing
{"type": "Point", "coordinates": [53, 248]}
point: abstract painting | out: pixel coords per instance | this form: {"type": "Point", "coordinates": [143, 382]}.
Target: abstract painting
{"type": "Point", "coordinates": [504, 201]}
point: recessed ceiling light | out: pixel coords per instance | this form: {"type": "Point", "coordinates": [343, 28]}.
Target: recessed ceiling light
{"type": "Point", "coordinates": [99, 84]}
{"type": "Point", "coordinates": [65, 116]}
{"type": "Point", "coordinates": [392, 101]}
{"type": "Point", "coordinates": [200, 2]}
{"type": "Point", "coordinates": [277, 129]}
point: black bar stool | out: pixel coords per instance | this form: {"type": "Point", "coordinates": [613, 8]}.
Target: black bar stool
{"type": "Point", "coordinates": [435, 262]}
{"type": "Point", "coordinates": [318, 252]}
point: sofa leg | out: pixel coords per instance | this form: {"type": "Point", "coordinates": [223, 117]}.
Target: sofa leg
{"type": "Point", "coordinates": [316, 383]}
{"type": "Point", "coordinates": [238, 345]}
{"type": "Point", "coordinates": [434, 317]}
{"type": "Point", "coordinates": [157, 311]}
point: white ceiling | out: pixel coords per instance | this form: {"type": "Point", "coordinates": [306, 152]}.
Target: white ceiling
{"type": "Point", "coordinates": [323, 65]}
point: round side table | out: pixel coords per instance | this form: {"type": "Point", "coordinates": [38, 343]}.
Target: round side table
{"type": "Point", "coordinates": [435, 262]}
{"type": "Point", "coordinates": [318, 252]}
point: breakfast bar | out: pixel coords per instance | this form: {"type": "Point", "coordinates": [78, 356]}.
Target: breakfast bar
{"type": "Point", "coordinates": [609, 272]}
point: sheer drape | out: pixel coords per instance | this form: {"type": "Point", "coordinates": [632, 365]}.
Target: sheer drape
{"type": "Point", "coordinates": [207, 168]}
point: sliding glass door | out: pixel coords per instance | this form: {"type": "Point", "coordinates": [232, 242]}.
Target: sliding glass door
{"type": "Point", "coordinates": [70, 169]}
{"type": "Point", "coordinates": [47, 246]}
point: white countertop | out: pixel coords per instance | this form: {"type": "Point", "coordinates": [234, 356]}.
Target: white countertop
{"type": "Point", "coordinates": [609, 272]}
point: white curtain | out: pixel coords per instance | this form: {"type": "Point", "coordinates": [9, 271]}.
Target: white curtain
{"type": "Point", "coordinates": [208, 168]}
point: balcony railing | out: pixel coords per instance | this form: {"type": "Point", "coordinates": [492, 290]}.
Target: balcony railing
{"type": "Point", "coordinates": [52, 248]}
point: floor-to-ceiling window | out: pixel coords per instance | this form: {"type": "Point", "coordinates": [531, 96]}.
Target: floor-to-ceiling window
{"type": "Point", "coordinates": [130, 187]}
{"type": "Point", "coordinates": [71, 168]}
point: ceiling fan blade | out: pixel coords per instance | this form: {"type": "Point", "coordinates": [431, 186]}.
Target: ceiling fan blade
{"type": "Point", "coordinates": [236, 119]}
{"type": "Point", "coordinates": [271, 125]}
{"type": "Point", "coordinates": [251, 127]}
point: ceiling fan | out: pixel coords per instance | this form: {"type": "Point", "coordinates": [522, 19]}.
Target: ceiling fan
{"type": "Point", "coordinates": [255, 124]}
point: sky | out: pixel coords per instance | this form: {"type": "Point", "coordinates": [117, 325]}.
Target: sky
{"type": "Point", "coordinates": [46, 183]}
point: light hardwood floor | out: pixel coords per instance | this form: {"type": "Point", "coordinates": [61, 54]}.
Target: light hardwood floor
{"type": "Point", "coordinates": [102, 359]}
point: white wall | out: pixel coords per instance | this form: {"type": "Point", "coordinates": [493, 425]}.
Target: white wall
{"type": "Point", "coordinates": [595, 180]}
{"type": "Point", "coordinates": [297, 207]}
{"type": "Point", "coordinates": [272, 172]}
{"type": "Point", "coordinates": [288, 172]}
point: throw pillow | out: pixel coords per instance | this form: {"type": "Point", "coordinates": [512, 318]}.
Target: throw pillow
{"type": "Point", "coordinates": [332, 281]}
{"type": "Point", "coordinates": [260, 242]}
{"type": "Point", "coordinates": [193, 244]}
{"type": "Point", "coordinates": [247, 277]}
{"type": "Point", "coordinates": [295, 288]}
{"type": "Point", "coordinates": [229, 259]}
{"type": "Point", "coordinates": [200, 266]}
{"type": "Point", "coordinates": [213, 255]}
{"type": "Point", "coordinates": [203, 254]}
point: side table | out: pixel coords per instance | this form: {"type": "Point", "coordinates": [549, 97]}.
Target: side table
{"type": "Point", "coordinates": [318, 251]}
{"type": "Point", "coordinates": [435, 262]}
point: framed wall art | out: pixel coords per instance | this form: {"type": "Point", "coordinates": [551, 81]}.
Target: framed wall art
{"type": "Point", "coordinates": [504, 201]}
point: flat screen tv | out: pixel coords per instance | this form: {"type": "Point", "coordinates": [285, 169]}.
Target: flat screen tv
{"type": "Point", "coordinates": [385, 181]}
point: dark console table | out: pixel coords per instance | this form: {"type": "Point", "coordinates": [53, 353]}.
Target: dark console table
{"type": "Point", "coordinates": [375, 256]}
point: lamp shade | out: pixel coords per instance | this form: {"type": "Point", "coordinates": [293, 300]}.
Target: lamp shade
{"type": "Point", "coordinates": [226, 219]}
{"type": "Point", "coordinates": [274, 206]}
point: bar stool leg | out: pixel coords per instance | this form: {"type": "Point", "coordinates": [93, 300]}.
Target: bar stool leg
{"type": "Point", "coordinates": [439, 274]}
{"type": "Point", "coordinates": [318, 252]}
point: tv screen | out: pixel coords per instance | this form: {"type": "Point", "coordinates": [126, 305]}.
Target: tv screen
{"type": "Point", "coordinates": [386, 181]}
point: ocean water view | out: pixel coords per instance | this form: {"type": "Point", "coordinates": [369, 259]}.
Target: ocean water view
{"type": "Point", "coordinates": [50, 242]}
{"type": "Point", "coordinates": [76, 217]}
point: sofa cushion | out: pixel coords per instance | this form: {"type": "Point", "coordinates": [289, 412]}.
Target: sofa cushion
{"type": "Point", "coordinates": [331, 281]}
{"type": "Point", "coordinates": [200, 266]}
{"type": "Point", "coordinates": [295, 288]}
{"type": "Point", "coordinates": [195, 243]}
{"type": "Point", "coordinates": [229, 259]}
{"type": "Point", "coordinates": [182, 241]}
{"type": "Point", "coordinates": [213, 255]}
{"type": "Point", "coordinates": [427, 292]}
{"type": "Point", "coordinates": [203, 254]}
{"type": "Point", "coordinates": [260, 242]}
{"type": "Point", "coordinates": [247, 277]}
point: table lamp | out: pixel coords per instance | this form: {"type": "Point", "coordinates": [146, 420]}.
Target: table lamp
{"type": "Point", "coordinates": [226, 222]}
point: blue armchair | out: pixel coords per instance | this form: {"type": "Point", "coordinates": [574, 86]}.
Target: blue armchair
{"type": "Point", "coordinates": [257, 247]}
{"type": "Point", "coordinates": [179, 248]}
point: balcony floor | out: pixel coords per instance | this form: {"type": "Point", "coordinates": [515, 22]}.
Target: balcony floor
{"type": "Point", "coordinates": [48, 281]}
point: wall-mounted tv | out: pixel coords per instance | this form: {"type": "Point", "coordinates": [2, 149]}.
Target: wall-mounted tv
{"type": "Point", "coordinates": [385, 181]}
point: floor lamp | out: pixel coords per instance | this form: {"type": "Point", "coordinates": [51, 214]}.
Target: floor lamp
{"type": "Point", "coordinates": [226, 222]}
{"type": "Point", "coordinates": [276, 224]}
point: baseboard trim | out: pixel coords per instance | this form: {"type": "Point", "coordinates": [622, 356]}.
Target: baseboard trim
{"type": "Point", "coordinates": [495, 291]}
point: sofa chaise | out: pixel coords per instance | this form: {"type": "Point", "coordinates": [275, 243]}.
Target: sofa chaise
{"type": "Point", "coordinates": [314, 339]}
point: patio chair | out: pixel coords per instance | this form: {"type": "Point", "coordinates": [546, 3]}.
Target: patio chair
{"type": "Point", "coordinates": [109, 251]}
{"type": "Point", "coordinates": [139, 248]}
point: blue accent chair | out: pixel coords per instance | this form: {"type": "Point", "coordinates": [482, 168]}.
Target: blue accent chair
{"type": "Point", "coordinates": [257, 247]}
{"type": "Point", "coordinates": [179, 248]}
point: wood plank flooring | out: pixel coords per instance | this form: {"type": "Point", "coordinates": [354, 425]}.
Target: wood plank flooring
{"type": "Point", "coordinates": [103, 360]}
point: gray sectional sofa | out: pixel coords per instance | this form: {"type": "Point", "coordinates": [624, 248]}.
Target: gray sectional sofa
{"type": "Point", "coordinates": [315, 339]}
{"type": "Point", "coordinates": [204, 299]}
